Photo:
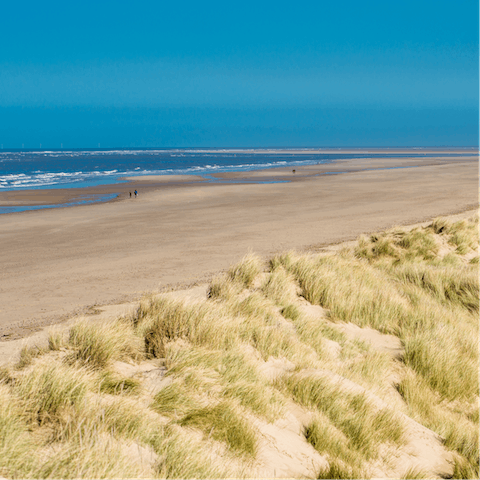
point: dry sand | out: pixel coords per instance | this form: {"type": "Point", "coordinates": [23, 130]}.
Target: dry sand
{"type": "Point", "coordinates": [60, 261]}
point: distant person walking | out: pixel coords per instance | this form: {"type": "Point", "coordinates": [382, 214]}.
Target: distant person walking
{"type": "Point", "coordinates": [130, 194]}
{"type": "Point", "coordinates": [135, 192]}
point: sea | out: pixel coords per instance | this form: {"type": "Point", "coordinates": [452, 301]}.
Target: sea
{"type": "Point", "coordinates": [79, 168]}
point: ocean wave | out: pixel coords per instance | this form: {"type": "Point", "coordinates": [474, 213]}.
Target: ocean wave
{"type": "Point", "coordinates": [41, 178]}
{"type": "Point", "coordinates": [148, 152]}
{"type": "Point", "coordinates": [79, 168]}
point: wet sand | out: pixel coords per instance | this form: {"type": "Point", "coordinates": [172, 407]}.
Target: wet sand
{"type": "Point", "coordinates": [146, 183]}
{"type": "Point", "coordinates": [59, 261]}
{"type": "Point", "coordinates": [122, 191]}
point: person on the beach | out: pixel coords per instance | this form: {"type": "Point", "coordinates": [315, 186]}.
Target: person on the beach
{"type": "Point", "coordinates": [135, 192]}
{"type": "Point", "coordinates": [130, 194]}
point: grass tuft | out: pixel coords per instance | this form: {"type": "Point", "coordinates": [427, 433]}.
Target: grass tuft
{"type": "Point", "coordinates": [46, 390]}
{"type": "Point", "coordinates": [114, 384]}
{"type": "Point", "coordinates": [246, 270]}
{"type": "Point", "coordinates": [291, 311]}
{"type": "Point", "coordinates": [365, 426]}
{"type": "Point", "coordinates": [339, 470]}
{"type": "Point", "coordinates": [181, 455]}
{"type": "Point", "coordinates": [327, 439]}
{"type": "Point", "coordinates": [280, 287]}
{"type": "Point", "coordinates": [448, 285]}
{"type": "Point", "coordinates": [224, 423]}
{"type": "Point", "coordinates": [462, 468]}
{"type": "Point", "coordinates": [91, 456]}
{"type": "Point", "coordinates": [28, 355]}
{"type": "Point", "coordinates": [440, 226]}
{"type": "Point", "coordinates": [415, 473]}
{"type": "Point", "coordinates": [174, 401]}
{"type": "Point", "coordinates": [16, 445]}
{"type": "Point", "coordinates": [56, 340]}
{"type": "Point", "coordinates": [440, 362]}
{"type": "Point", "coordinates": [285, 260]}
{"type": "Point", "coordinates": [5, 375]}
{"type": "Point", "coordinates": [223, 287]}
{"type": "Point", "coordinates": [98, 345]}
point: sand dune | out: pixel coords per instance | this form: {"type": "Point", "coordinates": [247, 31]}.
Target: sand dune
{"type": "Point", "coordinates": [250, 339]}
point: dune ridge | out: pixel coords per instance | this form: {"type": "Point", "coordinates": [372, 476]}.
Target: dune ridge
{"type": "Point", "coordinates": [356, 362]}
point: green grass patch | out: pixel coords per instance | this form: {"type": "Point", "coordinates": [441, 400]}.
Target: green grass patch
{"type": "Point", "coordinates": [91, 457]}
{"type": "Point", "coordinates": [174, 400]}
{"type": "Point", "coordinates": [368, 368]}
{"type": "Point", "coordinates": [114, 384]}
{"type": "Point", "coordinates": [291, 312]}
{"type": "Point", "coordinates": [224, 423]}
{"type": "Point", "coordinates": [217, 374]}
{"type": "Point", "coordinates": [352, 291]}
{"type": "Point", "coordinates": [329, 440]}
{"type": "Point", "coordinates": [458, 426]}
{"type": "Point", "coordinates": [436, 365]}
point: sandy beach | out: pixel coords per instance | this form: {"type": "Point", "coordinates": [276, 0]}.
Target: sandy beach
{"type": "Point", "coordinates": [59, 261]}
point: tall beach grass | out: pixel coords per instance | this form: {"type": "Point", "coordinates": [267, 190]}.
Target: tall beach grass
{"type": "Point", "coordinates": [207, 376]}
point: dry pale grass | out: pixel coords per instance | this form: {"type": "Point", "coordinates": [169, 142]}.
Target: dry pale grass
{"type": "Point", "coordinates": [397, 283]}
{"type": "Point", "coordinates": [456, 422]}
{"type": "Point", "coordinates": [183, 455]}
{"type": "Point", "coordinates": [100, 345]}
{"type": "Point", "coordinates": [16, 444]}
{"type": "Point", "coordinates": [364, 426]}
{"type": "Point", "coordinates": [65, 412]}
{"type": "Point", "coordinates": [280, 287]}
{"type": "Point", "coordinates": [246, 270]}
{"type": "Point", "coordinates": [47, 390]}
{"type": "Point", "coordinates": [203, 377]}
{"type": "Point", "coordinates": [238, 277]}
{"type": "Point", "coordinates": [340, 469]}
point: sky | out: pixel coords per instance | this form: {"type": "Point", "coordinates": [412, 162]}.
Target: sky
{"type": "Point", "coordinates": [239, 73]}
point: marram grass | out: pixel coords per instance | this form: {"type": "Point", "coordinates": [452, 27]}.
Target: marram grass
{"type": "Point", "coordinates": [363, 425]}
{"type": "Point", "coordinates": [66, 412]}
{"type": "Point", "coordinates": [100, 345]}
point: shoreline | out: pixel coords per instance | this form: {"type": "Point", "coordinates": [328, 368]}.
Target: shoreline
{"type": "Point", "coordinates": [45, 198]}
{"type": "Point", "coordinates": [59, 261]}
{"type": "Point", "coordinates": [60, 196]}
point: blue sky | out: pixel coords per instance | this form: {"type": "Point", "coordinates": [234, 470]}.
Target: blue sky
{"type": "Point", "coordinates": [249, 73]}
